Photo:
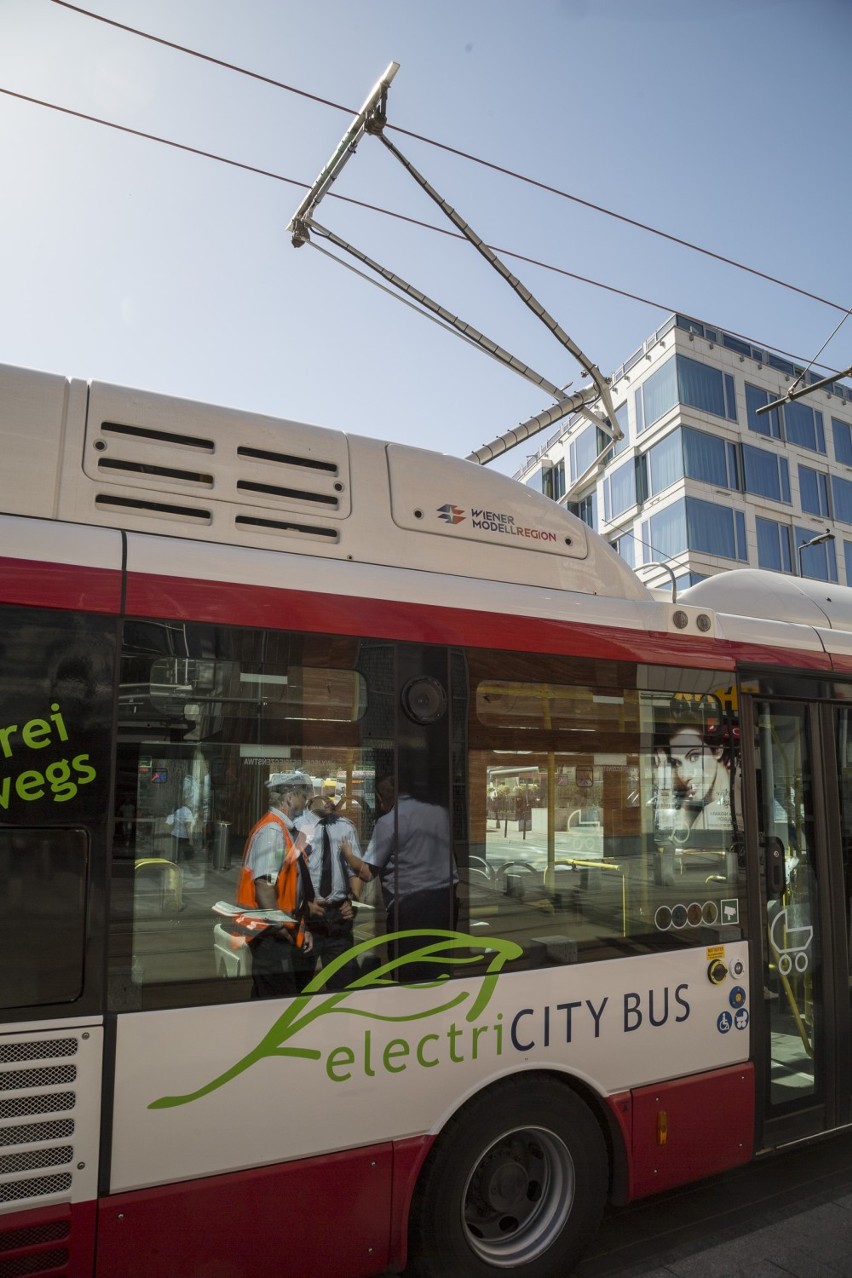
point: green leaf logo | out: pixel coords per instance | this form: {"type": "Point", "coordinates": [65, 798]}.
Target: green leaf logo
{"type": "Point", "coordinates": [437, 947]}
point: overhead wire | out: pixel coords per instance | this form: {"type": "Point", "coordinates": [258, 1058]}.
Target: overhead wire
{"type": "Point", "coordinates": [465, 155]}
{"type": "Point", "coordinates": [376, 208]}
{"type": "Point", "coordinates": [811, 363]}
{"type": "Point", "coordinates": [418, 310]}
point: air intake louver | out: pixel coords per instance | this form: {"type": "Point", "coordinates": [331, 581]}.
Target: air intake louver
{"type": "Point", "coordinates": [38, 1077]}
{"type": "Point", "coordinates": [154, 459]}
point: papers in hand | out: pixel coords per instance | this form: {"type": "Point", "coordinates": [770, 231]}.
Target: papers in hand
{"type": "Point", "coordinates": [274, 917]}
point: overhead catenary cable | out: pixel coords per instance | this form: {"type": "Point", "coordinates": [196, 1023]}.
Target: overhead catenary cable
{"type": "Point", "coordinates": [418, 310]}
{"type": "Point", "coordinates": [811, 363]}
{"type": "Point", "coordinates": [666, 307]}
{"type": "Point", "coordinates": [465, 155]}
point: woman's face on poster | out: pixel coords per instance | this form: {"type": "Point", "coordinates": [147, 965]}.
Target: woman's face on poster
{"type": "Point", "coordinates": [694, 765]}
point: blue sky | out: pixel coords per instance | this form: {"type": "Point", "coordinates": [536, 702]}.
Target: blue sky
{"type": "Point", "coordinates": [125, 260]}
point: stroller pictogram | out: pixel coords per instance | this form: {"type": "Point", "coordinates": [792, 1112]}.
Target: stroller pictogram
{"type": "Point", "coordinates": [791, 944]}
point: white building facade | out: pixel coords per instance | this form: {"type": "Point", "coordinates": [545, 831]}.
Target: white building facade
{"type": "Point", "coordinates": [702, 481]}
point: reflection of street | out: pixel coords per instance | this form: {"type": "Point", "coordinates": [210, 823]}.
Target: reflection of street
{"type": "Point", "coordinates": [533, 848]}
{"type": "Point", "coordinates": [505, 890]}
{"type": "Point", "coordinates": [173, 935]}
{"type": "Point", "coordinates": [516, 890]}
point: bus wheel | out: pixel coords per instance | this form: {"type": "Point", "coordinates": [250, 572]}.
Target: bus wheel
{"type": "Point", "coordinates": [516, 1181]}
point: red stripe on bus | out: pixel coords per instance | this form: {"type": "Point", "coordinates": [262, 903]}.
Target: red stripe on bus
{"type": "Point", "coordinates": [70, 586]}
{"type": "Point", "coordinates": [47, 585]}
{"type": "Point", "coordinates": [279, 608]}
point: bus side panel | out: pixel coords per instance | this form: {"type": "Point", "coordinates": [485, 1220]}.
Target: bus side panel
{"type": "Point", "coordinates": [408, 1159]}
{"type": "Point", "coordinates": [49, 1240]}
{"type": "Point", "coordinates": [691, 1128]}
{"type": "Point", "coordinates": [322, 1216]}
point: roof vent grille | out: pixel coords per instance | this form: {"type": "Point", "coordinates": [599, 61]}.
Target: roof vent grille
{"type": "Point", "coordinates": [285, 459]}
{"type": "Point", "coordinates": [192, 514]}
{"type": "Point", "coordinates": [158, 436]}
{"type": "Point", "coordinates": [295, 494]}
{"type": "Point", "coordinates": [328, 535]}
{"type": "Point", "coordinates": [164, 472]}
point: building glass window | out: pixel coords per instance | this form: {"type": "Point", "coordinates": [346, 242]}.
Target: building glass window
{"type": "Point", "coordinates": [639, 410]}
{"type": "Point", "coordinates": [804, 427]}
{"type": "Point", "coordinates": [773, 545]}
{"type": "Point", "coordinates": [766, 474]}
{"type": "Point", "coordinates": [626, 547]}
{"type": "Point", "coordinates": [585, 508]}
{"type": "Point", "coordinates": [686, 381]}
{"type": "Point", "coordinates": [818, 562]}
{"type": "Point", "coordinates": [847, 559]}
{"type": "Point", "coordinates": [768, 424]}
{"type": "Point", "coordinates": [656, 395]}
{"type": "Point", "coordinates": [583, 451]}
{"type": "Point", "coordinates": [709, 389]}
{"type": "Point", "coordinates": [665, 462]}
{"type": "Point", "coordinates": [622, 417]}
{"type": "Point", "coordinates": [717, 530]}
{"type": "Point", "coordinates": [813, 491]}
{"type": "Point", "coordinates": [691, 524]}
{"type": "Point", "coordinates": [620, 490]}
{"type": "Point", "coordinates": [692, 454]}
{"type": "Point", "coordinates": [841, 497]}
{"type": "Point", "coordinates": [553, 479]}
{"type": "Point", "coordinates": [709, 458]}
{"type": "Point", "coordinates": [665, 533]}
{"type": "Point", "coordinates": [842, 433]}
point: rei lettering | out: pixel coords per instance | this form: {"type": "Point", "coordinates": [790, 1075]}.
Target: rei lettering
{"type": "Point", "coordinates": [59, 780]}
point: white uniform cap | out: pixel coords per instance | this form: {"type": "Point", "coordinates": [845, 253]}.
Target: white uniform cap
{"type": "Point", "coordinates": [284, 780]}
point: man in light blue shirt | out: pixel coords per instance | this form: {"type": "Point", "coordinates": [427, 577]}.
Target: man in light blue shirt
{"type": "Point", "coordinates": [411, 851]}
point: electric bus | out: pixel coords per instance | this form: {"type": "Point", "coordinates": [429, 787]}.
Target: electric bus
{"type": "Point", "coordinates": [637, 974]}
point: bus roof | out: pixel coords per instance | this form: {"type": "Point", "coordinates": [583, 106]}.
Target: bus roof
{"type": "Point", "coordinates": [100, 454]}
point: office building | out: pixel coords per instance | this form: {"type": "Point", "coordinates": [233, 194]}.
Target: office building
{"type": "Point", "coordinates": [703, 480]}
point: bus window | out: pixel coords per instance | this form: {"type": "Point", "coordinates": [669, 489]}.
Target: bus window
{"type": "Point", "coordinates": [605, 819]}
{"type": "Point", "coordinates": [44, 873]}
{"type": "Point", "coordinates": [56, 678]}
{"type": "Point", "coordinates": [206, 716]}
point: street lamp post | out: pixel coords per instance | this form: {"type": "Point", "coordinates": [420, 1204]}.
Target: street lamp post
{"type": "Point", "coordinates": [814, 541]}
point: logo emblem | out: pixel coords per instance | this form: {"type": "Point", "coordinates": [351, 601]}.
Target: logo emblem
{"type": "Point", "coordinates": [450, 514]}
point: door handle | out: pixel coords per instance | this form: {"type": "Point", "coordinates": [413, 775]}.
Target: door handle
{"type": "Point", "coordinates": [775, 882]}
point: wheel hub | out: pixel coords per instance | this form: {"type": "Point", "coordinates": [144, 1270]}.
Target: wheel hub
{"type": "Point", "coordinates": [504, 1184]}
{"type": "Point", "coordinates": [518, 1196]}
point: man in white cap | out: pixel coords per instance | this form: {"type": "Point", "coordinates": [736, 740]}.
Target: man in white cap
{"type": "Point", "coordinates": [272, 878]}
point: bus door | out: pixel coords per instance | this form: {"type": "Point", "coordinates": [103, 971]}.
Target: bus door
{"type": "Point", "coordinates": [801, 895]}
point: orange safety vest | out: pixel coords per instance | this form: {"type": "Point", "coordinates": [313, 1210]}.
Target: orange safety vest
{"type": "Point", "coordinates": [287, 883]}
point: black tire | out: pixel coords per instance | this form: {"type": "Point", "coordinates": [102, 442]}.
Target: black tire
{"type": "Point", "coordinates": [515, 1183]}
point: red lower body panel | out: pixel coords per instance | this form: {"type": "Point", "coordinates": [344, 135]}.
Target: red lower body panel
{"type": "Point", "coordinates": [325, 1216]}
{"type": "Point", "coordinates": [59, 1241]}
{"type": "Point", "coordinates": [684, 1130]}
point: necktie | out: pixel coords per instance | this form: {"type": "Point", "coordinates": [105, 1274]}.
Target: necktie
{"type": "Point", "coordinates": [325, 873]}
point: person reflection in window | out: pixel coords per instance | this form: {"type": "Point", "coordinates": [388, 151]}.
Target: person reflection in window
{"type": "Point", "coordinates": [333, 857]}
{"type": "Point", "coordinates": [411, 852]}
